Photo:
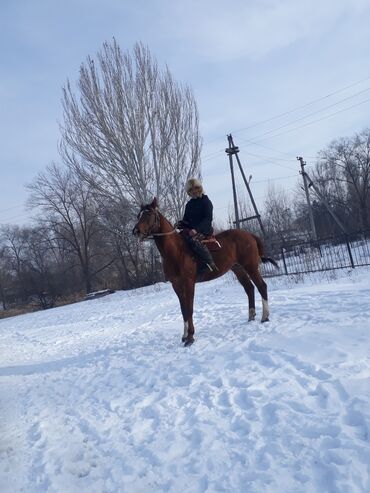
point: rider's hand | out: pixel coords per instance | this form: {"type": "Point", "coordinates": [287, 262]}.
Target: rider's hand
{"type": "Point", "coordinates": [192, 232]}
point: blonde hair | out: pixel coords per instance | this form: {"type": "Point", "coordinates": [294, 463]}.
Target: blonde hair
{"type": "Point", "coordinates": [194, 183]}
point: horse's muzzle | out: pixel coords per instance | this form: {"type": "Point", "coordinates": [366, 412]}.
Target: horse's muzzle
{"type": "Point", "coordinates": [136, 232]}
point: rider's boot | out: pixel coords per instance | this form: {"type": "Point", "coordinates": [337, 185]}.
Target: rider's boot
{"type": "Point", "coordinates": [207, 264]}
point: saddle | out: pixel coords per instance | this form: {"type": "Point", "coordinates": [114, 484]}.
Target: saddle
{"type": "Point", "coordinates": [211, 243]}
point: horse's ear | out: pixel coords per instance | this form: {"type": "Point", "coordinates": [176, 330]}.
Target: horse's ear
{"type": "Point", "coordinates": [154, 203]}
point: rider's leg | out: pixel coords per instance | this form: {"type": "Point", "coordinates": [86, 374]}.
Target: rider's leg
{"type": "Point", "coordinates": [206, 261]}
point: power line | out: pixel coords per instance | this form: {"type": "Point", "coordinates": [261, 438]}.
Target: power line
{"type": "Point", "coordinates": [260, 138]}
{"type": "Point", "coordinates": [306, 105]}
{"type": "Point", "coordinates": [273, 179]}
{"type": "Point", "coordinates": [262, 156]}
{"type": "Point", "coordinates": [215, 153]}
{"type": "Point", "coordinates": [11, 208]}
{"type": "Point", "coordinates": [310, 114]}
{"type": "Point", "coordinates": [270, 148]}
{"type": "Point", "coordinates": [294, 109]}
{"type": "Point", "coordinates": [208, 157]}
{"type": "Point", "coordinates": [24, 215]}
{"type": "Point", "coordinates": [270, 160]}
{"type": "Point", "coordinates": [313, 121]}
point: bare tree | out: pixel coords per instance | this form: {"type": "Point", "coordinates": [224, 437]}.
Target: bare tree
{"type": "Point", "coordinates": [45, 273]}
{"type": "Point", "coordinates": [14, 254]}
{"type": "Point", "coordinates": [128, 253]}
{"type": "Point", "coordinates": [278, 215]}
{"type": "Point", "coordinates": [132, 130]}
{"type": "Point", "coordinates": [343, 173]}
{"type": "Point", "coordinates": [5, 275]}
{"type": "Point", "coordinates": [72, 214]}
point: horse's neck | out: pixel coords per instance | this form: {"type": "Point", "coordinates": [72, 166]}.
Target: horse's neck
{"type": "Point", "coordinates": [165, 225]}
{"type": "Point", "coordinates": [166, 244]}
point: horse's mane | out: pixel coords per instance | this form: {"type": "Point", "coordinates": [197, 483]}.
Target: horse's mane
{"type": "Point", "coordinates": [165, 218]}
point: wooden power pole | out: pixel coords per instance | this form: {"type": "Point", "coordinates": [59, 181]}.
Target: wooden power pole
{"type": "Point", "coordinates": [309, 183]}
{"type": "Point", "coordinates": [231, 151]}
{"type": "Point", "coordinates": [306, 185]}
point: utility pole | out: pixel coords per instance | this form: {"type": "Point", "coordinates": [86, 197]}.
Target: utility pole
{"type": "Point", "coordinates": [309, 183]}
{"type": "Point", "coordinates": [306, 184]}
{"type": "Point", "coordinates": [231, 151]}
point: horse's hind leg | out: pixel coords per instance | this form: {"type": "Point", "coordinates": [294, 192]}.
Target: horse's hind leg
{"type": "Point", "coordinates": [244, 280]}
{"type": "Point", "coordinates": [262, 289]}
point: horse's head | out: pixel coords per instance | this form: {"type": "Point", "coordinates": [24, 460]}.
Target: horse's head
{"type": "Point", "coordinates": [148, 221]}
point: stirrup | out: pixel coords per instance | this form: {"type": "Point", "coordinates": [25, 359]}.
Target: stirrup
{"type": "Point", "coordinates": [212, 267]}
{"type": "Point", "coordinates": [206, 268]}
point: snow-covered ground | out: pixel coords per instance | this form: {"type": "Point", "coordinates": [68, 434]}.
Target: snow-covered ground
{"type": "Point", "coordinates": [101, 396]}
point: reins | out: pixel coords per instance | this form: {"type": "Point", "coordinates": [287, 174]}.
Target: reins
{"type": "Point", "coordinates": [161, 234]}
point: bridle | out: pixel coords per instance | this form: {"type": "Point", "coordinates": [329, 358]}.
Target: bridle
{"type": "Point", "coordinates": [150, 235]}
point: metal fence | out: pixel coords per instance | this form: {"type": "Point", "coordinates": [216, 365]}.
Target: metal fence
{"type": "Point", "coordinates": [345, 251]}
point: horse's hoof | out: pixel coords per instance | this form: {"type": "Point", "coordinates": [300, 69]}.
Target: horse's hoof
{"type": "Point", "coordinates": [183, 339]}
{"type": "Point", "coordinates": [188, 342]}
{"type": "Point", "coordinates": [251, 314]}
{"type": "Point", "coordinates": [265, 320]}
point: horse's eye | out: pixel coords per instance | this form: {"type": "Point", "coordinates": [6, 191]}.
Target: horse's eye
{"type": "Point", "coordinates": [142, 213]}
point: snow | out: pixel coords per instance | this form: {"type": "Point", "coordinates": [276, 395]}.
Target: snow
{"type": "Point", "coordinates": [100, 396]}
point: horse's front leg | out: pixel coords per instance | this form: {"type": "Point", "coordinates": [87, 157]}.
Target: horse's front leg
{"type": "Point", "coordinates": [189, 287]}
{"type": "Point", "coordinates": [185, 293]}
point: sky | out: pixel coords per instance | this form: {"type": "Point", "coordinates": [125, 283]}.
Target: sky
{"type": "Point", "coordinates": [284, 77]}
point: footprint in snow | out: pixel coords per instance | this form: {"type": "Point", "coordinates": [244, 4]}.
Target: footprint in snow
{"type": "Point", "coordinates": [357, 421]}
{"type": "Point", "coordinates": [269, 414]}
{"type": "Point", "coordinates": [223, 399]}
{"type": "Point", "coordinates": [243, 400]}
{"type": "Point", "coordinates": [240, 425]}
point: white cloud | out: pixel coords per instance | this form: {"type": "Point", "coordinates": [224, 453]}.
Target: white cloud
{"type": "Point", "coordinates": [226, 31]}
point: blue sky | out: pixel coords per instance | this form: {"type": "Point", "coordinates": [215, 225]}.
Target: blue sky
{"type": "Point", "coordinates": [247, 61]}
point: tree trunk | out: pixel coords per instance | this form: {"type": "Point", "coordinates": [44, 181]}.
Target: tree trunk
{"type": "Point", "coordinates": [2, 294]}
{"type": "Point", "coordinates": [87, 277]}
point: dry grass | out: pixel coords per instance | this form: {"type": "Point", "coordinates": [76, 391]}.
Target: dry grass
{"type": "Point", "coordinates": [13, 312]}
{"type": "Point", "coordinates": [32, 307]}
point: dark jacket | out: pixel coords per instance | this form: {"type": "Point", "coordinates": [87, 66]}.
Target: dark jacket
{"type": "Point", "coordinates": [198, 215]}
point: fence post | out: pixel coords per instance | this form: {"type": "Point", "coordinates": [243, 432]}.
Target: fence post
{"type": "Point", "coordinates": [283, 257]}
{"type": "Point", "coordinates": [349, 251]}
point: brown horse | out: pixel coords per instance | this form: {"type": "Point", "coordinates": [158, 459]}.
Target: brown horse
{"type": "Point", "coordinates": [240, 251]}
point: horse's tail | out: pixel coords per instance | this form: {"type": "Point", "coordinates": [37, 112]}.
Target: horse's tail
{"type": "Point", "coordinates": [261, 252]}
{"type": "Point", "coordinates": [265, 260]}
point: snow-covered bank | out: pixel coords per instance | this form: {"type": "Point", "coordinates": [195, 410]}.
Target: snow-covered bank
{"type": "Point", "coordinates": [100, 396]}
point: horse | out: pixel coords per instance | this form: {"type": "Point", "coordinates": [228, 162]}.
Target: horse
{"type": "Point", "coordinates": [240, 252]}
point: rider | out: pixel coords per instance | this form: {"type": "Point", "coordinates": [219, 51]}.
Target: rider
{"type": "Point", "coordinates": [197, 224]}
